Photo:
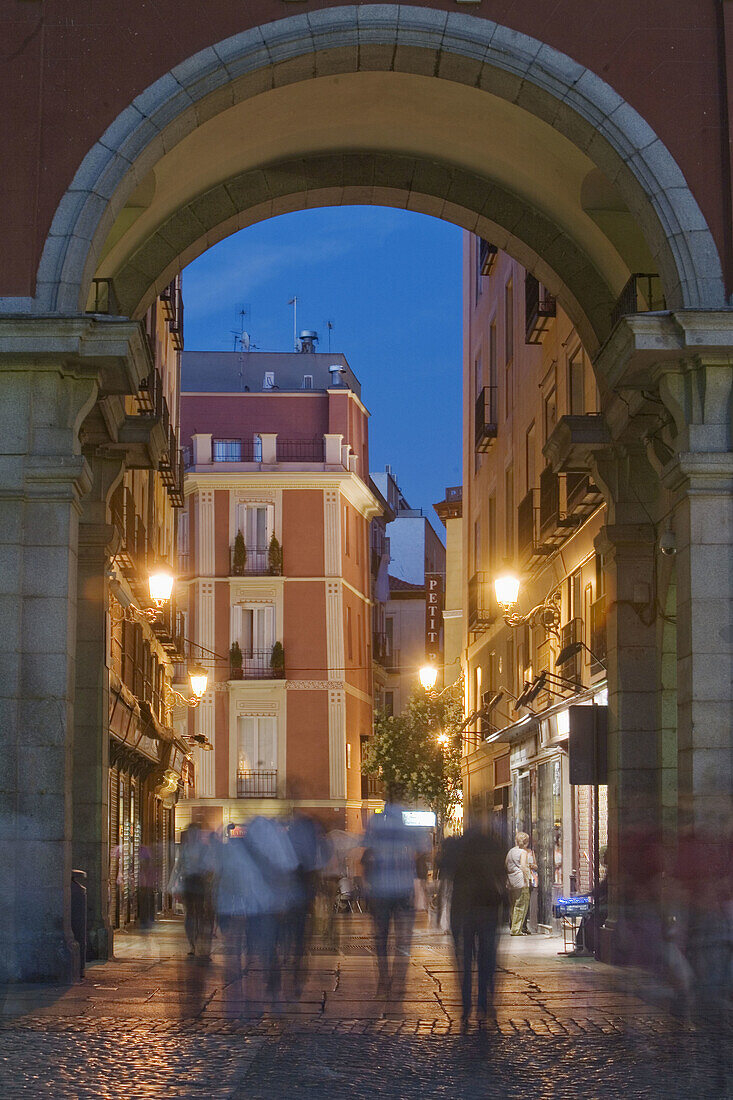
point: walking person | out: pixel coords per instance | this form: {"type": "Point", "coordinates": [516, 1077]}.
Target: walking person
{"type": "Point", "coordinates": [389, 858]}
{"type": "Point", "coordinates": [476, 868]}
{"type": "Point", "coordinates": [518, 878]}
{"type": "Point", "coordinates": [193, 881]}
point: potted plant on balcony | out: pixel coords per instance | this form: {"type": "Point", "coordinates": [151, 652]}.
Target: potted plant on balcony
{"type": "Point", "coordinates": [275, 556]}
{"type": "Point", "coordinates": [239, 560]}
{"type": "Point", "coordinates": [236, 661]}
{"type": "Point", "coordinates": [277, 660]}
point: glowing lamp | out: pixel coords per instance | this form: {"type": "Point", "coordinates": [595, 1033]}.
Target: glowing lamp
{"type": "Point", "coordinates": [199, 678]}
{"type": "Point", "coordinates": [507, 591]}
{"type": "Point", "coordinates": [428, 677]}
{"type": "Point", "coordinates": [160, 583]}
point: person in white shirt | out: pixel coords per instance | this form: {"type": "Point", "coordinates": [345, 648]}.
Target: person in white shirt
{"type": "Point", "coordinates": [517, 869]}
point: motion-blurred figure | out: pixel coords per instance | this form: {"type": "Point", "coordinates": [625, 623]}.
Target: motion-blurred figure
{"type": "Point", "coordinates": [389, 873]}
{"type": "Point", "coordinates": [476, 867]}
{"type": "Point", "coordinates": [193, 882]}
{"type": "Point", "coordinates": [269, 870]}
{"type": "Point", "coordinates": [307, 840]}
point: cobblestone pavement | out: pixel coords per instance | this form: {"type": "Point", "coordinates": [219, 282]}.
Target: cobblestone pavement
{"type": "Point", "coordinates": [156, 1024]}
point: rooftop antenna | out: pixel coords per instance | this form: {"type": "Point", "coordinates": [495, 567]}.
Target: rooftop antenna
{"type": "Point", "coordinates": [294, 303]}
{"type": "Point", "coordinates": [329, 326]}
{"type": "Point", "coordinates": [241, 336]}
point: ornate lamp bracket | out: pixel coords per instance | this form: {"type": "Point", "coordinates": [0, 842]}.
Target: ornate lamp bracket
{"type": "Point", "coordinates": [545, 614]}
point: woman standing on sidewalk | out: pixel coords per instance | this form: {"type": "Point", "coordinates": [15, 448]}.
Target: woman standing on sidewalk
{"type": "Point", "coordinates": [517, 869]}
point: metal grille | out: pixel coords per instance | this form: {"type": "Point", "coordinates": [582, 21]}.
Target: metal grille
{"type": "Point", "coordinates": [257, 784]}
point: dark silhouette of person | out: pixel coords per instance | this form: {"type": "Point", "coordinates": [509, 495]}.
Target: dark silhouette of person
{"type": "Point", "coordinates": [475, 865]}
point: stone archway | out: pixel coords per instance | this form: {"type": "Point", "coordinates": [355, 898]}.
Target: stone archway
{"type": "Point", "coordinates": [488, 64]}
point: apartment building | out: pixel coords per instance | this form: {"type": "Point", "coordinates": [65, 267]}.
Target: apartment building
{"type": "Point", "coordinates": [276, 564]}
{"type": "Point", "coordinates": [416, 555]}
{"type": "Point", "coordinates": [148, 762]}
{"type": "Point", "coordinates": [525, 374]}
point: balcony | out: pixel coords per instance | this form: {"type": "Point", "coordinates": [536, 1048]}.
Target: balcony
{"type": "Point", "coordinates": [555, 524]}
{"type": "Point", "coordinates": [172, 300]}
{"type": "Point", "coordinates": [371, 787]}
{"type": "Point", "coordinates": [380, 648]}
{"type": "Point", "coordinates": [168, 629]}
{"type": "Point", "coordinates": [642, 294]}
{"type": "Point", "coordinates": [301, 450]}
{"type": "Point", "coordinates": [259, 784]}
{"type": "Point", "coordinates": [487, 254]}
{"type": "Point", "coordinates": [598, 643]}
{"type": "Point", "coordinates": [539, 309]}
{"type": "Point", "coordinates": [571, 632]}
{"type": "Point", "coordinates": [256, 563]}
{"type": "Point", "coordinates": [528, 545]}
{"type": "Point", "coordinates": [134, 549]}
{"type": "Point", "coordinates": [171, 470]}
{"type": "Point", "coordinates": [391, 660]}
{"type": "Point", "coordinates": [481, 612]}
{"type": "Point", "coordinates": [257, 664]}
{"type": "Point", "coordinates": [485, 419]}
{"type": "Point", "coordinates": [582, 495]}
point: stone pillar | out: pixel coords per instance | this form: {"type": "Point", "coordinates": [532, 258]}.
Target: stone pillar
{"type": "Point", "coordinates": [703, 528]}
{"type": "Point", "coordinates": [628, 546]}
{"type": "Point", "coordinates": [90, 844]}
{"type": "Point", "coordinates": [42, 479]}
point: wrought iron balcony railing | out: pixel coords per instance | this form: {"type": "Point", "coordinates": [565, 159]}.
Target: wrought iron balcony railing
{"type": "Point", "coordinates": [257, 664]}
{"type": "Point", "coordinates": [257, 784]}
{"type": "Point", "coordinates": [485, 418]}
{"type": "Point", "coordinates": [539, 308]}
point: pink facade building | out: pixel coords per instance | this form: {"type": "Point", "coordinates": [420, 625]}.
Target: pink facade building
{"type": "Point", "coordinates": [276, 584]}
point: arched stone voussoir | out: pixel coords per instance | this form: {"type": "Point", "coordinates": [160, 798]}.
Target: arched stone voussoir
{"type": "Point", "coordinates": [466, 199]}
{"type": "Point", "coordinates": [467, 48]}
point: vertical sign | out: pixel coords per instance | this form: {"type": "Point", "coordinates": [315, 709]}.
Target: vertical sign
{"type": "Point", "coordinates": [433, 616]}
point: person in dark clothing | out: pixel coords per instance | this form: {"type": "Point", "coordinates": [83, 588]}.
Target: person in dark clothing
{"type": "Point", "coordinates": [476, 867]}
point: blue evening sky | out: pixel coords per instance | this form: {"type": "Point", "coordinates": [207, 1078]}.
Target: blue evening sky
{"type": "Point", "coordinates": [390, 283]}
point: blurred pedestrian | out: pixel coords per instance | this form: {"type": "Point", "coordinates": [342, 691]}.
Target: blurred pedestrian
{"type": "Point", "coordinates": [518, 877]}
{"type": "Point", "coordinates": [476, 868]}
{"type": "Point", "coordinates": [268, 877]}
{"type": "Point", "coordinates": [390, 850]}
{"type": "Point", "coordinates": [307, 840]}
{"type": "Point", "coordinates": [193, 882]}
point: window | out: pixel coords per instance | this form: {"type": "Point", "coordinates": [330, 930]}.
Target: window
{"type": "Point", "coordinates": [307, 381]}
{"type": "Point", "coordinates": [600, 576]}
{"type": "Point", "coordinates": [349, 636]}
{"type": "Point", "coordinates": [478, 375]}
{"type": "Point", "coordinates": [492, 533]}
{"type": "Point", "coordinates": [256, 744]}
{"type": "Point", "coordinates": [530, 453]}
{"type": "Point", "coordinates": [389, 636]}
{"type": "Point", "coordinates": [476, 545]}
{"type": "Point", "coordinates": [509, 322]}
{"type": "Point", "coordinates": [389, 703]}
{"type": "Point", "coordinates": [550, 412]}
{"type": "Point", "coordinates": [348, 754]}
{"type": "Point", "coordinates": [227, 450]}
{"type": "Point", "coordinates": [509, 512]}
{"type": "Point", "coordinates": [254, 628]}
{"type": "Point", "coordinates": [576, 384]}
{"type": "Point", "coordinates": [256, 522]}
{"type": "Point", "coordinates": [347, 544]}
{"type": "Point", "coordinates": [493, 369]}
{"type": "Point", "coordinates": [508, 395]}
{"type": "Point", "coordinates": [477, 689]}
{"type": "Point", "coordinates": [575, 607]}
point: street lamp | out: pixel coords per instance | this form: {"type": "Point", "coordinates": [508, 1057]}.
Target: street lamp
{"type": "Point", "coordinates": [428, 677]}
{"type": "Point", "coordinates": [506, 588]}
{"type": "Point", "coordinates": [160, 583]}
{"type": "Point", "coordinates": [199, 678]}
{"type": "Point", "coordinates": [546, 614]}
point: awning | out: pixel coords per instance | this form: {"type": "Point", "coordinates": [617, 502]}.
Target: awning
{"type": "Point", "coordinates": [530, 724]}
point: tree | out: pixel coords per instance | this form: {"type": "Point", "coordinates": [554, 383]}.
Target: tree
{"type": "Point", "coordinates": [275, 557]}
{"type": "Point", "coordinates": [240, 555]}
{"type": "Point", "coordinates": [405, 751]}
